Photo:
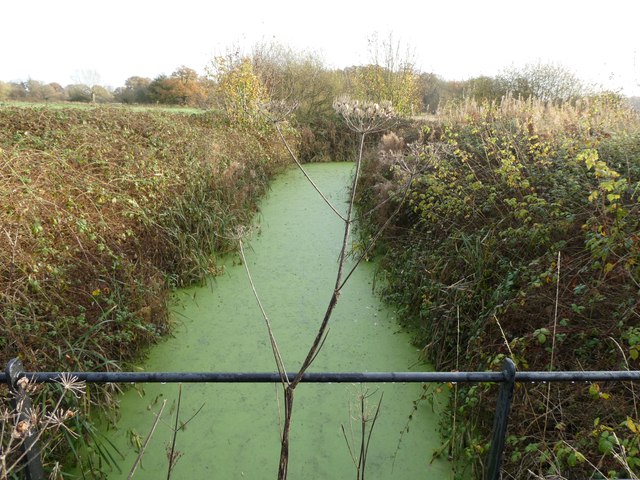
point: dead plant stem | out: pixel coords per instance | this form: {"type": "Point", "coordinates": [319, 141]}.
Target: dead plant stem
{"type": "Point", "coordinates": [274, 345]}
{"type": "Point", "coordinates": [341, 263]}
{"type": "Point", "coordinates": [319, 339]}
{"type": "Point", "coordinates": [553, 347]}
{"type": "Point", "coordinates": [146, 441]}
{"type": "Point", "coordinates": [304, 172]}
{"type": "Point", "coordinates": [172, 459]}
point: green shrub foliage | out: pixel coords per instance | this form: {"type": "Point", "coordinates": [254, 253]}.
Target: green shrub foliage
{"type": "Point", "coordinates": [472, 262]}
{"type": "Point", "coordinates": [104, 211]}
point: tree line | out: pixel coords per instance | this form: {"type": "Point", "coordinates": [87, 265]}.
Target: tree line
{"type": "Point", "coordinates": [286, 74]}
{"type": "Point", "coordinates": [183, 87]}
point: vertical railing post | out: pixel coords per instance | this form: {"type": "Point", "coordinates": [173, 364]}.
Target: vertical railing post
{"type": "Point", "coordinates": [501, 420]}
{"type": "Point", "coordinates": [22, 404]}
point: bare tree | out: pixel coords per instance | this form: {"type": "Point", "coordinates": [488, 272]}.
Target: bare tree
{"type": "Point", "coordinates": [547, 82]}
{"type": "Point", "coordinates": [88, 77]}
{"type": "Point", "coordinates": [391, 75]}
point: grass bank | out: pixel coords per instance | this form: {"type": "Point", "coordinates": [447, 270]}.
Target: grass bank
{"type": "Point", "coordinates": [103, 211]}
{"type": "Point", "coordinates": [520, 238]}
{"type": "Point", "coordinates": [90, 106]}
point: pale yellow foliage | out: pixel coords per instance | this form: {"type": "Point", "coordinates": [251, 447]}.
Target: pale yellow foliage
{"type": "Point", "coordinates": [239, 91]}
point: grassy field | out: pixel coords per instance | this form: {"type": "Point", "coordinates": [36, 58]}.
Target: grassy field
{"type": "Point", "coordinates": [84, 105]}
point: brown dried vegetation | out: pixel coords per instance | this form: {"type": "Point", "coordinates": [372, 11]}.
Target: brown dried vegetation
{"type": "Point", "coordinates": [102, 210]}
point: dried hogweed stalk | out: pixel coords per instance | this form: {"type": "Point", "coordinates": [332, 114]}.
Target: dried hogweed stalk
{"type": "Point", "coordinates": [278, 110]}
{"type": "Point", "coordinates": [365, 117]}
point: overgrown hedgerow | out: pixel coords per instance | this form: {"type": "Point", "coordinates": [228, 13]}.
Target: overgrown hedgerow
{"type": "Point", "coordinates": [472, 263]}
{"type": "Point", "coordinates": [102, 210]}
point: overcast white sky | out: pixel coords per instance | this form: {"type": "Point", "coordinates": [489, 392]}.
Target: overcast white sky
{"type": "Point", "coordinates": [55, 40]}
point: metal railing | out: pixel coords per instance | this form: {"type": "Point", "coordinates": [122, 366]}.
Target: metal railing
{"type": "Point", "coordinates": [507, 377]}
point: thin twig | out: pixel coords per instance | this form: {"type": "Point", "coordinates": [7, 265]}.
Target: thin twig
{"type": "Point", "coordinates": [304, 172]}
{"type": "Point", "coordinates": [626, 363]}
{"type": "Point", "coordinates": [553, 348]}
{"type": "Point", "coordinates": [324, 339]}
{"type": "Point", "coordinates": [275, 386]}
{"type": "Point", "coordinates": [378, 234]}
{"type": "Point", "coordinates": [455, 386]}
{"type": "Point", "coordinates": [365, 436]}
{"type": "Point", "coordinates": [346, 439]}
{"type": "Point", "coordinates": [174, 436]}
{"type": "Point", "coordinates": [363, 433]}
{"type": "Point", "coordinates": [183, 425]}
{"type": "Point", "coordinates": [274, 345]}
{"type": "Point", "coordinates": [504, 337]}
{"type": "Point", "coordinates": [373, 424]}
{"type": "Point", "coordinates": [146, 441]}
{"type": "Point", "coordinates": [595, 468]}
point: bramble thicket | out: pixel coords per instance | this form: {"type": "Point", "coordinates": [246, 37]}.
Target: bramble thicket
{"type": "Point", "coordinates": [521, 240]}
{"type": "Point", "coordinates": [519, 236]}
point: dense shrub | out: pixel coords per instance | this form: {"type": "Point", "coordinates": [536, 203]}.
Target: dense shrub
{"type": "Point", "coordinates": [472, 263]}
{"type": "Point", "coordinates": [103, 209]}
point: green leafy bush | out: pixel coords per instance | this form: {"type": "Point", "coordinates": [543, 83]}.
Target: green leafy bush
{"type": "Point", "coordinates": [472, 263]}
{"type": "Point", "coordinates": [103, 209]}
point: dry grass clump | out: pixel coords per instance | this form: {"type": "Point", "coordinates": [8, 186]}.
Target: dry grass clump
{"type": "Point", "coordinates": [390, 142]}
{"type": "Point", "coordinates": [521, 239]}
{"type": "Point", "coordinates": [102, 211]}
{"type": "Point", "coordinates": [585, 116]}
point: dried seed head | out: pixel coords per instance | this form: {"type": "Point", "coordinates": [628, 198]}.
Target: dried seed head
{"type": "Point", "coordinates": [71, 384]}
{"type": "Point", "coordinates": [365, 117]}
{"type": "Point", "coordinates": [23, 383]}
{"type": "Point", "coordinates": [34, 416]}
{"type": "Point", "coordinates": [56, 472]}
{"type": "Point", "coordinates": [278, 110]}
{"type": "Point", "coordinates": [56, 419]}
{"type": "Point", "coordinates": [5, 415]}
{"type": "Point", "coordinates": [22, 429]}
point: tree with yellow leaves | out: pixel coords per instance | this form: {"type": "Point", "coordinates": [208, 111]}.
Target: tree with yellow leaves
{"type": "Point", "coordinates": [238, 91]}
{"type": "Point", "coordinates": [391, 76]}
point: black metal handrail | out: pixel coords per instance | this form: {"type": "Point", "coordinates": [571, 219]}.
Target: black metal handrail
{"type": "Point", "coordinates": [507, 377]}
{"type": "Point", "coordinates": [329, 377]}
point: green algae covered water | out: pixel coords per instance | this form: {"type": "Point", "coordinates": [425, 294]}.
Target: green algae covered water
{"type": "Point", "coordinates": [235, 431]}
